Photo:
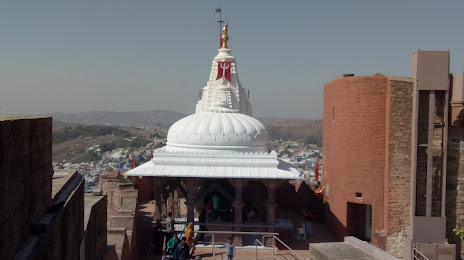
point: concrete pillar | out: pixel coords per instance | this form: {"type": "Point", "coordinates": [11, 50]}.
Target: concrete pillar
{"type": "Point", "coordinates": [271, 206]}
{"type": "Point", "coordinates": [238, 206]}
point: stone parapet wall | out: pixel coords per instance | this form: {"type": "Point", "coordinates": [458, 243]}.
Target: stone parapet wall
{"type": "Point", "coordinates": [96, 226]}
{"type": "Point", "coordinates": [122, 217]}
{"type": "Point", "coordinates": [58, 234]}
{"type": "Point", "coordinates": [25, 174]}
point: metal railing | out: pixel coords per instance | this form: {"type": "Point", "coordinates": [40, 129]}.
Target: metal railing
{"type": "Point", "coordinates": [426, 251]}
{"type": "Point", "coordinates": [213, 241]}
{"type": "Point", "coordinates": [417, 255]}
{"type": "Point", "coordinates": [256, 245]}
{"type": "Point", "coordinates": [248, 239]}
{"type": "Point", "coordinates": [274, 247]}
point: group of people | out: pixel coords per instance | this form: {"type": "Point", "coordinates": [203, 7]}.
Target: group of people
{"type": "Point", "coordinates": [184, 248]}
{"type": "Point", "coordinates": [213, 205]}
{"type": "Point", "coordinates": [179, 250]}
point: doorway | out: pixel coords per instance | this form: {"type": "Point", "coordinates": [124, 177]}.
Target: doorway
{"type": "Point", "coordinates": [359, 221]}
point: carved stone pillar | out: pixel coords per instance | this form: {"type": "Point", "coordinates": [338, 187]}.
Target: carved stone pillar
{"type": "Point", "coordinates": [163, 206]}
{"type": "Point", "coordinates": [238, 206]}
{"type": "Point", "coordinates": [157, 188]}
{"type": "Point", "coordinates": [193, 190]}
{"type": "Point", "coordinates": [271, 206]}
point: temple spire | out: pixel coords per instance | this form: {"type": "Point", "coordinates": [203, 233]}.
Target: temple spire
{"type": "Point", "coordinates": [225, 38]}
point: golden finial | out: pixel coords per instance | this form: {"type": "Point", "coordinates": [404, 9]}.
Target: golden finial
{"type": "Point", "coordinates": [225, 38]}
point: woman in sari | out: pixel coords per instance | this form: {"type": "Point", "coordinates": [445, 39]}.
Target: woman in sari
{"type": "Point", "coordinates": [190, 236]}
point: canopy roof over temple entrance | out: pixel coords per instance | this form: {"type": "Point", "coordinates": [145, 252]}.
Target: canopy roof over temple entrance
{"type": "Point", "coordinates": [222, 139]}
{"type": "Point", "coordinates": [216, 165]}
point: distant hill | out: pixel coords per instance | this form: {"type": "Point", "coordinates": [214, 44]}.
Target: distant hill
{"type": "Point", "coordinates": [309, 131]}
{"type": "Point", "coordinates": [157, 118]}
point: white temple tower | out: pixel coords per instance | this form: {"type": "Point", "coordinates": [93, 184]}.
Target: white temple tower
{"type": "Point", "coordinates": [223, 94]}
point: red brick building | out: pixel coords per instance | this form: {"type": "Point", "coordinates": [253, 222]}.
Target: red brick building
{"type": "Point", "coordinates": [366, 156]}
{"type": "Point", "coordinates": [394, 158]}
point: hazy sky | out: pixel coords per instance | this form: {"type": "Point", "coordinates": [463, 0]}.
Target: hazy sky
{"type": "Point", "coordinates": [77, 56]}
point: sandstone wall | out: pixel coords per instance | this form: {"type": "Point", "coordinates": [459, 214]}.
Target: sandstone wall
{"type": "Point", "coordinates": [96, 227]}
{"type": "Point", "coordinates": [65, 237]}
{"type": "Point", "coordinates": [354, 135]}
{"type": "Point", "coordinates": [398, 164]}
{"type": "Point", "coordinates": [25, 177]}
{"type": "Point", "coordinates": [455, 187]}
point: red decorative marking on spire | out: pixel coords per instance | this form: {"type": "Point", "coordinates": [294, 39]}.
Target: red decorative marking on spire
{"type": "Point", "coordinates": [224, 70]}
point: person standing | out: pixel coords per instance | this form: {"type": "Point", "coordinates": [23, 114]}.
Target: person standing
{"type": "Point", "coordinates": [308, 227]}
{"type": "Point", "coordinates": [170, 224]}
{"type": "Point", "coordinates": [230, 249]}
{"type": "Point", "coordinates": [190, 236]}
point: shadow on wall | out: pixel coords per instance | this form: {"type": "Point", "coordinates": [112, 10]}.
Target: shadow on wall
{"type": "Point", "coordinates": [454, 180]}
{"type": "Point", "coordinates": [144, 187]}
{"type": "Point", "coordinates": [304, 198]}
{"type": "Point", "coordinates": [336, 227]}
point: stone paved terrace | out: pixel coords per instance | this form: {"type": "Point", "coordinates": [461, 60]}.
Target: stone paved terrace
{"type": "Point", "coordinates": [337, 250]}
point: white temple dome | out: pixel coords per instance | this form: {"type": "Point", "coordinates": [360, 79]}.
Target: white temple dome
{"type": "Point", "coordinates": [215, 131]}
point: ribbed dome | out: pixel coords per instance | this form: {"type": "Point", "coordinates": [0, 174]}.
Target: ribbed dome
{"type": "Point", "coordinates": [213, 131]}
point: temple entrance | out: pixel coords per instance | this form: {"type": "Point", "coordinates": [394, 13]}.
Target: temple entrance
{"type": "Point", "coordinates": [217, 196]}
{"type": "Point", "coordinates": [255, 195]}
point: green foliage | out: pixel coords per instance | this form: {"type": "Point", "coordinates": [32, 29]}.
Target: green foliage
{"type": "Point", "coordinates": [459, 232]}
{"type": "Point", "coordinates": [91, 156]}
{"type": "Point", "coordinates": [285, 152]}
{"type": "Point", "coordinates": [313, 140]}
{"type": "Point", "coordinates": [105, 147]}
{"type": "Point", "coordinates": [87, 131]}
{"type": "Point", "coordinates": [138, 142]}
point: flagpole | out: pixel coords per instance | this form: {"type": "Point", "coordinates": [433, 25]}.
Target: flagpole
{"type": "Point", "coordinates": [219, 10]}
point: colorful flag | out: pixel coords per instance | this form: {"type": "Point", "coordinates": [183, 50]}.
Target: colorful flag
{"type": "Point", "coordinates": [218, 10]}
{"type": "Point", "coordinates": [224, 70]}
{"type": "Point", "coordinates": [151, 153]}
{"type": "Point", "coordinates": [133, 161]}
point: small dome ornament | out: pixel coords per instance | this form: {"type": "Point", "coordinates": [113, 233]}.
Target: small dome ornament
{"type": "Point", "coordinates": [225, 38]}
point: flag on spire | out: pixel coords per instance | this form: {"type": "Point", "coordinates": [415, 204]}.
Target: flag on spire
{"type": "Point", "coordinates": [316, 169]}
{"type": "Point", "coordinates": [133, 161]}
{"type": "Point", "coordinates": [151, 153]}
